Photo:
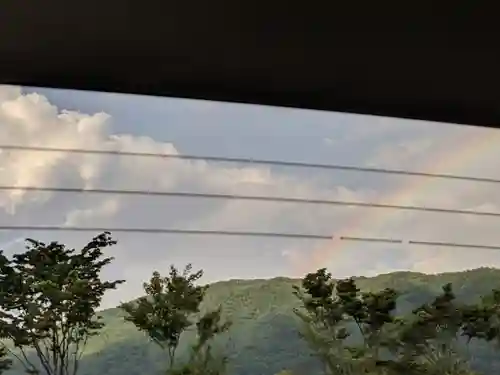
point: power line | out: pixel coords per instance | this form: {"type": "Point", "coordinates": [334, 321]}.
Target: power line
{"type": "Point", "coordinates": [255, 198]}
{"type": "Point", "coordinates": [245, 234]}
{"type": "Point", "coordinates": [368, 239]}
{"type": "Point", "coordinates": [447, 244]}
{"type": "Point", "coordinates": [251, 198]}
{"type": "Point", "coordinates": [255, 161]}
{"type": "Point", "coordinates": [167, 231]}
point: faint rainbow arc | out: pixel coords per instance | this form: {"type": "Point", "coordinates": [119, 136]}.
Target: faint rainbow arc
{"type": "Point", "coordinates": [472, 149]}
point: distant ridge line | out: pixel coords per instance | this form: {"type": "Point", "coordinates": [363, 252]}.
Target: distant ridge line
{"type": "Point", "coordinates": [356, 277]}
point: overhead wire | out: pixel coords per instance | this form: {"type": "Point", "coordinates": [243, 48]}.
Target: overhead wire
{"type": "Point", "coordinates": [253, 161]}
{"type": "Point", "coordinates": [246, 197]}
{"type": "Point", "coordinates": [304, 236]}
{"type": "Point", "coordinates": [249, 198]}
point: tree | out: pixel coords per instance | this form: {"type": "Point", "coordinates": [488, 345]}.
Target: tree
{"type": "Point", "coordinates": [167, 311]}
{"type": "Point", "coordinates": [373, 316]}
{"type": "Point", "coordinates": [429, 340]}
{"type": "Point", "coordinates": [424, 343]}
{"type": "Point", "coordinates": [48, 300]}
{"type": "Point", "coordinates": [482, 321]}
{"type": "Point", "coordinates": [5, 362]}
{"type": "Point", "coordinates": [323, 321]}
{"type": "Point", "coordinates": [202, 360]}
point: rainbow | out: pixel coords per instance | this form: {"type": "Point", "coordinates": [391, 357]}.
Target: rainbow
{"type": "Point", "coordinates": [472, 148]}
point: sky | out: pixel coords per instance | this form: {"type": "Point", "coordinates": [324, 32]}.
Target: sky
{"type": "Point", "coordinates": [90, 120]}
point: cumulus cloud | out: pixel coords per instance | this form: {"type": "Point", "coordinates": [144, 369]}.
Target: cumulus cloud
{"type": "Point", "coordinates": [30, 119]}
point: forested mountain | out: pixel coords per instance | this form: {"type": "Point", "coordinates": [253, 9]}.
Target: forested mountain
{"type": "Point", "coordinates": [264, 339]}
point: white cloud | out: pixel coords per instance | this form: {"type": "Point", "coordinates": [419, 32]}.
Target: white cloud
{"type": "Point", "coordinates": [106, 209]}
{"type": "Point", "coordinates": [32, 120]}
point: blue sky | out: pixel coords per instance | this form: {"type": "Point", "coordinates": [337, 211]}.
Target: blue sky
{"type": "Point", "coordinates": [72, 119]}
{"type": "Point", "coordinates": [228, 129]}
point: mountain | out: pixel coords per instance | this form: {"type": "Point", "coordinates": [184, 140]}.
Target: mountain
{"type": "Point", "coordinates": [264, 337]}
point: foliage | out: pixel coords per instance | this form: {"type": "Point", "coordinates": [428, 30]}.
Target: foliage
{"type": "Point", "coordinates": [48, 300]}
{"type": "Point", "coordinates": [264, 338]}
{"type": "Point", "coordinates": [482, 320]}
{"type": "Point", "coordinates": [429, 340]}
{"type": "Point", "coordinates": [330, 307]}
{"type": "Point", "coordinates": [323, 318]}
{"type": "Point", "coordinates": [166, 312]}
{"type": "Point", "coordinates": [5, 362]}
{"type": "Point", "coordinates": [425, 342]}
{"type": "Point", "coordinates": [202, 360]}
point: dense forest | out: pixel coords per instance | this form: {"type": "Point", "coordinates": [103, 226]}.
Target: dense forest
{"type": "Point", "coordinates": [398, 323]}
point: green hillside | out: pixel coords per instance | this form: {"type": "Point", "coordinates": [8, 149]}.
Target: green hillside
{"type": "Point", "coordinates": [264, 337]}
